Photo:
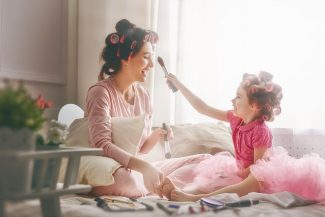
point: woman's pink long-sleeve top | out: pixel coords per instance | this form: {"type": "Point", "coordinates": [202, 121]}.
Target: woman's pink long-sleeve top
{"type": "Point", "coordinates": [103, 102]}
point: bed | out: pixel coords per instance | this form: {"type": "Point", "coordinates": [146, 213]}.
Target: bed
{"type": "Point", "coordinates": [204, 138]}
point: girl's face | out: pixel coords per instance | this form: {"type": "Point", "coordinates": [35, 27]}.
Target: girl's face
{"type": "Point", "coordinates": [141, 63]}
{"type": "Point", "coordinates": [242, 107]}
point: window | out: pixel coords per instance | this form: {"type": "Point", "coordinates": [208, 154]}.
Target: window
{"type": "Point", "coordinates": [220, 40]}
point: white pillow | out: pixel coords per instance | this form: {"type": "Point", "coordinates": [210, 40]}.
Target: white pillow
{"type": "Point", "coordinates": [126, 132]}
{"type": "Point", "coordinates": [192, 139]}
{"type": "Point", "coordinates": [98, 170]}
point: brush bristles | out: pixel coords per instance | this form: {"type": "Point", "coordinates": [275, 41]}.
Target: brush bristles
{"type": "Point", "coordinates": [160, 61]}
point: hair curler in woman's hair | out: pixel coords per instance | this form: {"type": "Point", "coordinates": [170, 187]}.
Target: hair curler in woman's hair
{"type": "Point", "coordinates": [123, 44]}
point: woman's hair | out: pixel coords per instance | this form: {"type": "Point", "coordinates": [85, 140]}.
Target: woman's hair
{"type": "Point", "coordinates": [126, 42]}
{"type": "Point", "coordinates": [264, 93]}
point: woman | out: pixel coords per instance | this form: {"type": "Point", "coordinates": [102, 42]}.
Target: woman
{"type": "Point", "coordinates": [128, 58]}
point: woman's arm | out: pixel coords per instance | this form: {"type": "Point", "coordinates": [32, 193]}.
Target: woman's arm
{"type": "Point", "coordinates": [99, 105]}
{"type": "Point", "coordinates": [197, 103]}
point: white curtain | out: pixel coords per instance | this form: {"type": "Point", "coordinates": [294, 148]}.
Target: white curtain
{"type": "Point", "coordinates": [167, 16]}
{"type": "Point", "coordinates": [220, 40]}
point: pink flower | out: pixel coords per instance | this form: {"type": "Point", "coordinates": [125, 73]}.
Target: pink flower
{"type": "Point", "coordinates": [42, 103]}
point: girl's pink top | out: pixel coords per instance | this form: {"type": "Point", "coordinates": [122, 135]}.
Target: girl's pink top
{"type": "Point", "coordinates": [247, 137]}
{"type": "Point", "coordinates": [103, 102]}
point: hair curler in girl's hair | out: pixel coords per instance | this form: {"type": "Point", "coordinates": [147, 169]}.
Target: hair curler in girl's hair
{"type": "Point", "coordinates": [262, 91]}
{"type": "Point", "coordinates": [265, 76]}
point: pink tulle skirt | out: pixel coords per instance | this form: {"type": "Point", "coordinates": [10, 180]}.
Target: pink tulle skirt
{"type": "Point", "coordinates": [278, 171]}
{"type": "Point", "coordinates": [218, 171]}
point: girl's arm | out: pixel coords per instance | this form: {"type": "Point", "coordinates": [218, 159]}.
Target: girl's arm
{"type": "Point", "coordinates": [258, 154]}
{"type": "Point", "coordinates": [197, 103]}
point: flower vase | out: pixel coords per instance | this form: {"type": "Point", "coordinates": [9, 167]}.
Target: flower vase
{"type": "Point", "coordinates": [49, 175]}
{"type": "Point", "coordinates": [17, 139]}
{"type": "Point", "coordinates": [16, 170]}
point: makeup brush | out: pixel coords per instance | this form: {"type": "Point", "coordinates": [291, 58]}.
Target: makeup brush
{"type": "Point", "coordinates": [162, 64]}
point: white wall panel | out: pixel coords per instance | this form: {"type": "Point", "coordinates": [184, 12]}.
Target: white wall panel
{"type": "Point", "coordinates": [33, 40]}
{"type": "Point", "coordinates": [33, 47]}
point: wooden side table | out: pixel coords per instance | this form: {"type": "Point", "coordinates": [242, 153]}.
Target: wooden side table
{"type": "Point", "coordinates": [49, 193]}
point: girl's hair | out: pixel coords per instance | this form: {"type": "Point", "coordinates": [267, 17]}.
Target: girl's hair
{"type": "Point", "coordinates": [264, 93]}
{"type": "Point", "coordinates": [126, 42]}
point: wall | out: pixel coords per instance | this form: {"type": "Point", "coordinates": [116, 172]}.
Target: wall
{"type": "Point", "coordinates": [54, 46]}
{"type": "Point", "coordinates": [33, 46]}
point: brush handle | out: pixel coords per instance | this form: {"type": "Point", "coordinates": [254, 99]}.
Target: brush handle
{"type": "Point", "coordinates": [167, 150]}
{"type": "Point", "coordinates": [170, 84]}
{"type": "Point", "coordinates": [166, 143]}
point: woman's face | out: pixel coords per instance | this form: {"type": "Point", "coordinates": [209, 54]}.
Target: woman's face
{"type": "Point", "coordinates": [141, 63]}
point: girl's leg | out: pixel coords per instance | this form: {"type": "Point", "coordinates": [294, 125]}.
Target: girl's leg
{"type": "Point", "coordinates": [171, 166]}
{"type": "Point", "coordinates": [180, 170]}
{"type": "Point", "coordinates": [127, 183]}
{"type": "Point", "coordinates": [250, 184]}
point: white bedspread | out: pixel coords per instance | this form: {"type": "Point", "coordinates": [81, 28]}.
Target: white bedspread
{"type": "Point", "coordinates": [76, 206]}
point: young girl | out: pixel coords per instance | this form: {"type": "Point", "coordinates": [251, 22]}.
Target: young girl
{"type": "Point", "coordinates": [256, 100]}
{"type": "Point", "coordinates": [256, 167]}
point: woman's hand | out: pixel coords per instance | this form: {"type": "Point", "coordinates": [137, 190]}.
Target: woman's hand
{"type": "Point", "coordinates": [151, 141]}
{"type": "Point", "coordinates": [159, 134]}
{"type": "Point", "coordinates": [156, 135]}
{"type": "Point", "coordinates": [167, 187]}
{"type": "Point", "coordinates": [152, 177]}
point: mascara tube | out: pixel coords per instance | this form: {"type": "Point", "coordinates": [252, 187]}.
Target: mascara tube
{"type": "Point", "coordinates": [242, 203]}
